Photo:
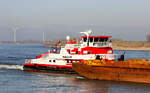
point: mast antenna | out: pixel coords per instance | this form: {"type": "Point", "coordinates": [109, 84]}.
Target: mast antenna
{"type": "Point", "coordinates": [87, 33]}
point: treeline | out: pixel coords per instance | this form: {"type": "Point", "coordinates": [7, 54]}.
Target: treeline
{"type": "Point", "coordinates": [148, 38]}
{"type": "Point", "coordinates": [130, 44]}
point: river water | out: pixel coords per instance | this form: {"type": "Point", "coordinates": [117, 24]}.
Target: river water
{"type": "Point", "coordinates": [14, 80]}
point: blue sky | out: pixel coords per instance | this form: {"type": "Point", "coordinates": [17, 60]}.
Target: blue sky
{"type": "Point", "coordinates": [125, 19]}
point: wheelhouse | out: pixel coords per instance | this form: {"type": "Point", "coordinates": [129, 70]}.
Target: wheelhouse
{"type": "Point", "coordinates": [97, 41]}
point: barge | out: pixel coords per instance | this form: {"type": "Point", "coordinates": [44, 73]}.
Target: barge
{"type": "Point", "coordinates": [131, 70]}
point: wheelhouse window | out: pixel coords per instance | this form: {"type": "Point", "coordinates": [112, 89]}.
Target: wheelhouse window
{"type": "Point", "coordinates": [110, 40]}
{"type": "Point", "coordinates": [103, 39]}
{"type": "Point", "coordinates": [96, 39]}
{"type": "Point", "coordinates": [99, 39]}
{"type": "Point", "coordinates": [84, 39]}
{"type": "Point", "coordinates": [49, 60]}
{"type": "Point", "coordinates": [91, 39]}
{"type": "Point", "coordinates": [54, 61]}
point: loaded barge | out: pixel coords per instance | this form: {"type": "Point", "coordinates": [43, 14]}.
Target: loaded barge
{"type": "Point", "coordinates": [132, 70]}
{"type": "Point", "coordinates": [60, 59]}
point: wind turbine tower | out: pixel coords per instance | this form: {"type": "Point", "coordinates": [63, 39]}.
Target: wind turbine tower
{"type": "Point", "coordinates": [43, 37]}
{"type": "Point", "coordinates": [14, 30]}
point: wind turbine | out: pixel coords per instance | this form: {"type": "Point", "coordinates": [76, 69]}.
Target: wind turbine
{"type": "Point", "coordinates": [14, 30]}
{"type": "Point", "coordinates": [43, 37]}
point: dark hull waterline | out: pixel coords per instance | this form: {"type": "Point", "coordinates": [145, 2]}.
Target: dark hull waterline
{"type": "Point", "coordinates": [48, 69]}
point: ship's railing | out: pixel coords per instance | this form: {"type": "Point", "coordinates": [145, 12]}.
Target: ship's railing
{"type": "Point", "coordinates": [71, 46]}
{"type": "Point", "coordinates": [28, 60]}
{"type": "Point", "coordinates": [111, 56]}
{"type": "Point", "coordinates": [106, 56]}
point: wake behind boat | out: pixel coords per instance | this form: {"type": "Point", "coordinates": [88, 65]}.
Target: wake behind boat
{"type": "Point", "coordinates": [61, 58]}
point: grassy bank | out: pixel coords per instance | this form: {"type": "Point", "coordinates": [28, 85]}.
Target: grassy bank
{"type": "Point", "coordinates": [131, 45]}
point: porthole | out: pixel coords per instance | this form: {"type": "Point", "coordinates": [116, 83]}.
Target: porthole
{"type": "Point", "coordinates": [89, 52]}
{"type": "Point", "coordinates": [76, 52]}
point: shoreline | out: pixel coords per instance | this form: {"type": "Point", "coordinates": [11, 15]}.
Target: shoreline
{"type": "Point", "coordinates": [132, 48]}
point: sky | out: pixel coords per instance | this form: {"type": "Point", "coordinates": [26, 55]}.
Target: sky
{"type": "Point", "coordinates": [123, 19]}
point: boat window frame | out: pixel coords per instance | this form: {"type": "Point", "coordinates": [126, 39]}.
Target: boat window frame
{"type": "Point", "coordinates": [91, 39]}
{"type": "Point", "coordinates": [84, 39]}
{"type": "Point", "coordinates": [96, 40]}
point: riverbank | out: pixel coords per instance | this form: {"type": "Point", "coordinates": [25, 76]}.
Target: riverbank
{"type": "Point", "coordinates": [132, 48]}
{"type": "Point", "coordinates": [131, 45]}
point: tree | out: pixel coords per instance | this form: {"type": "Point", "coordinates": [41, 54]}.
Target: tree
{"type": "Point", "coordinates": [148, 38]}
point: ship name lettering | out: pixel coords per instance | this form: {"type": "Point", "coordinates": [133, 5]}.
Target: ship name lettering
{"type": "Point", "coordinates": [67, 56]}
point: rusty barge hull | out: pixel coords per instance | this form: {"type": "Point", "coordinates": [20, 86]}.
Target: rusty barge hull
{"type": "Point", "coordinates": [114, 71]}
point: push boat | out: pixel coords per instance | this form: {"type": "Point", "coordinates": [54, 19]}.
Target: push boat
{"type": "Point", "coordinates": [60, 59]}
